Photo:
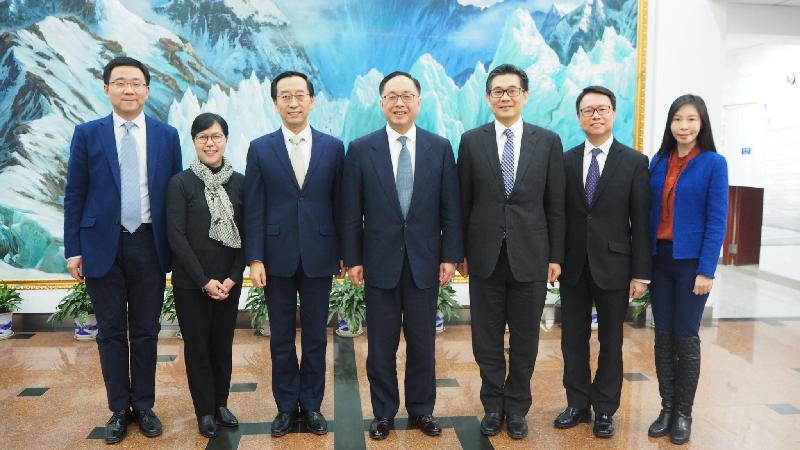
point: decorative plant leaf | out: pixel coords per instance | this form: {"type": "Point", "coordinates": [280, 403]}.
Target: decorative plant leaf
{"type": "Point", "coordinates": [168, 311]}
{"type": "Point", "coordinates": [447, 302]}
{"type": "Point", "coordinates": [76, 304]}
{"type": "Point", "coordinates": [347, 301]}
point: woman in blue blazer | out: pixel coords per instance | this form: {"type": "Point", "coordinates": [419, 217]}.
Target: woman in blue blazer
{"type": "Point", "coordinates": [689, 190]}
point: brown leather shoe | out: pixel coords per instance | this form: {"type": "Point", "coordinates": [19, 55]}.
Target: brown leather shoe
{"type": "Point", "coordinates": [380, 427]}
{"type": "Point", "coordinates": [427, 424]}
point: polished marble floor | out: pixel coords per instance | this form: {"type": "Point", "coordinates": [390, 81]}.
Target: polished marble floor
{"type": "Point", "coordinates": [52, 394]}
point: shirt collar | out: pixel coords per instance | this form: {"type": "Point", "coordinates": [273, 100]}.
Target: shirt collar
{"type": "Point", "coordinates": [119, 121]}
{"type": "Point", "coordinates": [410, 134]}
{"type": "Point", "coordinates": [305, 133]}
{"type": "Point", "coordinates": [515, 128]}
{"type": "Point", "coordinates": [605, 147]}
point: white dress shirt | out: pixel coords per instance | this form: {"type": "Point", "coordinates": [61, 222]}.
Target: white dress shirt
{"type": "Point", "coordinates": [139, 132]}
{"type": "Point", "coordinates": [305, 144]}
{"type": "Point", "coordinates": [516, 128]}
{"type": "Point", "coordinates": [395, 146]}
{"type": "Point", "coordinates": [601, 157]}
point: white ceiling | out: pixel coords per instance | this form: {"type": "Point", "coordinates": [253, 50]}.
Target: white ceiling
{"type": "Point", "coordinates": [768, 2]}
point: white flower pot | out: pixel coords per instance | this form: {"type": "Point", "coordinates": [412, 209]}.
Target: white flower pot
{"type": "Point", "coordinates": [87, 332]}
{"type": "Point", "coordinates": [264, 331]}
{"type": "Point", "coordinates": [648, 317]}
{"type": "Point", "coordinates": [344, 331]}
{"type": "Point", "coordinates": [439, 321]}
{"type": "Point", "coordinates": [5, 325]}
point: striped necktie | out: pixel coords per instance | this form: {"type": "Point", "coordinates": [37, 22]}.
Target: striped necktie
{"type": "Point", "coordinates": [507, 162]}
{"type": "Point", "coordinates": [130, 195]}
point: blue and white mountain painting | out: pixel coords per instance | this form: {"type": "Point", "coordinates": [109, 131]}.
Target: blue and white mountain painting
{"type": "Point", "coordinates": [219, 55]}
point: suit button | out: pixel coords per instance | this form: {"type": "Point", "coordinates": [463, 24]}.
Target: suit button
{"type": "Point", "coordinates": [402, 248]}
{"type": "Point", "coordinates": [589, 217]}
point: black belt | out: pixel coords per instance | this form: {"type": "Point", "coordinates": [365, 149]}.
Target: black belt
{"type": "Point", "coordinates": [142, 227]}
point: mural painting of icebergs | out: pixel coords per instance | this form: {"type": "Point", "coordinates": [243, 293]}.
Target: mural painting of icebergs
{"type": "Point", "coordinates": [220, 55]}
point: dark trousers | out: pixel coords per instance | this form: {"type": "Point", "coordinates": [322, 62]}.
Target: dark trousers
{"type": "Point", "coordinates": [495, 301]}
{"type": "Point", "coordinates": [414, 310]}
{"type": "Point", "coordinates": [207, 328]}
{"type": "Point", "coordinates": [604, 391]}
{"type": "Point", "coordinates": [675, 308]}
{"type": "Point", "coordinates": [300, 385]}
{"type": "Point", "coordinates": [127, 303]}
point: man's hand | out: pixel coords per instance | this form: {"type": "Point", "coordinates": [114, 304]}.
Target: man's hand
{"type": "Point", "coordinates": [215, 290]}
{"type": "Point", "coordinates": [75, 268]}
{"type": "Point", "coordinates": [463, 268]}
{"type": "Point", "coordinates": [342, 269]}
{"type": "Point", "coordinates": [356, 275]}
{"type": "Point", "coordinates": [702, 285]}
{"type": "Point", "coordinates": [446, 272]}
{"type": "Point", "coordinates": [553, 272]}
{"type": "Point", "coordinates": [258, 274]}
{"type": "Point", "coordinates": [637, 289]}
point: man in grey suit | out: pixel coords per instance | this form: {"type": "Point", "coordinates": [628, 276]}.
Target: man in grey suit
{"type": "Point", "coordinates": [512, 197]}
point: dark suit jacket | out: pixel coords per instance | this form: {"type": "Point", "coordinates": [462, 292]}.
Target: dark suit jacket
{"type": "Point", "coordinates": [92, 197]}
{"type": "Point", "coordinates": [531, 219]}
{"type": "Point", "coordinates": [285, 222]}
{"type": "Point", "coordinates": [196, 258]}
{"type": "Point", "coordinates": [374, 232]}
{"type": "Point", "coordinates": [613, 233]}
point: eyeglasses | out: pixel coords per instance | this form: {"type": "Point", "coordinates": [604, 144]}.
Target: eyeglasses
{"type": "Point", "coordinates": [589, 111]}
{"type": "Point", "coordinates": [513, 91]}
{"type": "Point", "coordinates": [287, 98]}
{"type": "Point", "coordinates": [215, 138]}
{"type": "Point", "coordinates": [406, 98]}
{"type": "Point", "coordinates": [135, 84]}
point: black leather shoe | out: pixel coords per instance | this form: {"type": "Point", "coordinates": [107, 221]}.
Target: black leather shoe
{"type": "Point", "coordinates": [226, 418]}
{"type": "Point", "coordinates": [660, 427]}
{"type": "Point", "coordinates": [681, 429]}
{"type": "Point", "coordinates": [491, 423]}
{"type": "Point", "coordinates": [517, 426]}
{"type": "Point", "coordinates": [148, 422]}
{"type": "Point", "coordinates": [603, 425]}
{"type": "Point", "coordinates": [207, 426]}
{"type": "Point", "coordinates": [315, 422]}
{"type": "Point", "coordinates": [427, 424]}
{"type": "Point", "coordinates": [572, 416]}
{"type": "Point", "coordinates": [117, 426]}
{"type": "Point", "coordinates": [283, 423]}
{"type": "Point", "coordinates": [380, 427]}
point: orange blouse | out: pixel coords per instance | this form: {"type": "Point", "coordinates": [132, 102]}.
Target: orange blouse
{"type": "Point", "coordinates": [674, 169]}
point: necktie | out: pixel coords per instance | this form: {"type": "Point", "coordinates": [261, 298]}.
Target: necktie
{"type": "Point", "coordinates": [130, 197]}
{"type": "Point", "coordinates": [592, 177]}
{"type": "Point", "coordinates": [296, 157]}
{"type": "Point", "coordinates": [507, 162]}
{"type": "Point", "coordinates": [405, 179]}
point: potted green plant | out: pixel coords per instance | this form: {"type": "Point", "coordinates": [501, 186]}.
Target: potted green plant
{"type": "Point", "coordinates": [9, 302]}
{"type": "Point", "coordinates": [257, 307]}
{"type": "Point", "coordinates": [642, 305]}
{"type": "Point", "coordinates": [78, 305]}
{"type": "Point", "coordinates": [446, 305]}
{"type": "Point", "coordinates": [551, 314]}
{"type": "Point", "coordinates": [348, 305]}
{"type": "Point", "coordinates": [168, 312]}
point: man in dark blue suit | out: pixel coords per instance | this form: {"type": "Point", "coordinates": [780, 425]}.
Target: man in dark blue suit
{"type": "Point", "coordinates": [291, 192]}
{"type": "Point", "coordinates": [115, 236]}
{"type": "Point", "coordinates": [401, 237]}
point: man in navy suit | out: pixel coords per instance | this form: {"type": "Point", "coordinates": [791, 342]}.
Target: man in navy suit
{"type": "Point", "coordinates": [291, 192]}
{"type": "Point", "coordinates": [115, 238]}
{"type": "Point", "coordinates": [401, 237]}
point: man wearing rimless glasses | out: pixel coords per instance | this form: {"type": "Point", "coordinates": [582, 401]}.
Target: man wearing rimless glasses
{"type": "Point", "coordinates": [512, 197]}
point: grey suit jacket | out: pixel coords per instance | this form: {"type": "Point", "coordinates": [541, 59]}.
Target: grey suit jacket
{"type": "Point", "coordinates": [530, 220]}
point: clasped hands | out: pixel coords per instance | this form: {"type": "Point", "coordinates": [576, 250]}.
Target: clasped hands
{"type": "Point", "coordinates": [217, 290]}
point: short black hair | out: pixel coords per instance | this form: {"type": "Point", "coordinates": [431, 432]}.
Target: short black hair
{"type": "Point", "coordinates": [126, 61]}
{"type": "Point", "coordinates": [273, 87]}
{"type": "Point", "coordinates": [504, 69]}
{"type": "Point", "coordinates": [396, 74]}
{"type": "Point", "coordinates": [596, 90]}
{"type": "Point", "coordinates": [705, 138]}
{"type": "Point", "coordinates": [207, 120]}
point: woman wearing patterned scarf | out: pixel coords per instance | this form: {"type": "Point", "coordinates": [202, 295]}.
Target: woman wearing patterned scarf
{"type": "Point", "coordinates": [204, 220]}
